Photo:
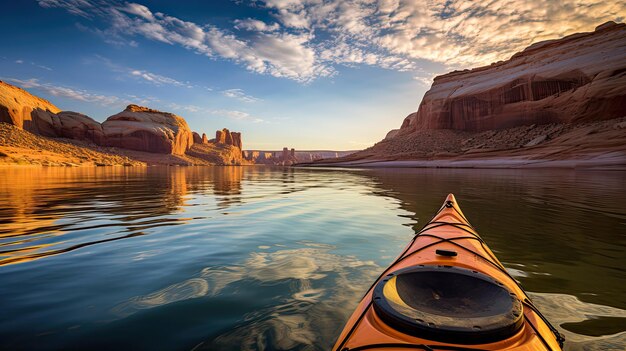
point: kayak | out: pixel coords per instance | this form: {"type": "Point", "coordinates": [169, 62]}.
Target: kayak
{"type": "Point", "coordinates": [447, 291]}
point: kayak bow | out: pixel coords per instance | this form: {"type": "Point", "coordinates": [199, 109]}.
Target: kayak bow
{"type": "Point", "coordinates": [447, 291]}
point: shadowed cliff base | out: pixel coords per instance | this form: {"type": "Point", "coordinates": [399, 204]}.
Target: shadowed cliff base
{"type": "Point", "coordinates": [598, 145]}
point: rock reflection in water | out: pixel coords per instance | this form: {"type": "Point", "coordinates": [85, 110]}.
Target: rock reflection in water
{"type": "Point", "coordinates": [44, 210]}
{"type": "Point", "coordinates": [312, 316]}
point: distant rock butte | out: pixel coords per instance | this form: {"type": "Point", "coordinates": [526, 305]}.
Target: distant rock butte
{"type": "Point", "coordinates": [290, 156]}
{"type": "Point", "coordinates": [227, 137]}
{"type": "Point", "coordinates": [136, 128]}
{"type": "Point", "coordinates": [144, 129]}
{"type": "Point", "coordinates": [579, 78]}
{"type": "Point", "coordinates": [197, 139]}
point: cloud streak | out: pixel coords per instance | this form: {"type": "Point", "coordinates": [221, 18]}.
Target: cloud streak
{"type": "Point", "coordinates": [157, 79]}
{"type": "Point", "coordinates": [236, 115]}
{"type": "Point", "coordinates": [240, 95]}
{"type": "Point", "coordinates": [70, 93]}
{"type": "Point", "coordinates": [143, 75]}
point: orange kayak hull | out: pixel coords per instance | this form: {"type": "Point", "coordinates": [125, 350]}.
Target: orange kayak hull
{"type": "Point", "coordinates": [448, 240]}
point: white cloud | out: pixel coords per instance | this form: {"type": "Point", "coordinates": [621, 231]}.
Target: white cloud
{"type": "Point", "coordinates": [139, 10]}
{"type": "Point", "coordinates": [157, 79]}
{"type": "Point", "coordinates": [143, 75]}
{"type": "Point", "coordinates": [41, 66]}
{"type": "Point", "coordinates": [81, 8]}
{"type": "Point", "coordinates": [19, 62]}
{"type": "Point", "coordinates": [255, 25]}
{"type": "Point", "coordinates": [426, 81]}
{"type": "Point", "coordinates": [236, 115]}
{"type": "Point", "coordinates": [240, 95]}
{"type": "Point", "coordinates": [71, 93]}
{"type": "Point", "coordinates": [187, 108]}
{"type": "Point", "coordinates": [109, 36]}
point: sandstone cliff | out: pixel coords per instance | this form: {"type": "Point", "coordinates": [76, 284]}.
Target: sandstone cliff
{"type": "Point", "coordinates": [581, 77]}
{"type": "Point", "coordinates": [23, 110]}
{"type": "Point", "coordinates": [138, 135]}
{"type": "Point", "coordinates": [143, 129]}
{"type": "Point", "coordinates": [197, 139]}
{"type": "Point", "coordinates": [227, 137]}
{"type": "Point", "coordinates": [558, 103]}
{"type": "Point", "coordinates": [225, 149]}
{"type": "Point", "coordinates": [74, 125]}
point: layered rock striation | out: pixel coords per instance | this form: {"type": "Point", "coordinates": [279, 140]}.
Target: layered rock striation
{"type": "Point", "coordinates": [74, 125]}
{"type": "Point", "coordinates": [579, 78]}
{"type": "Point", "coordinates": [144, 129]}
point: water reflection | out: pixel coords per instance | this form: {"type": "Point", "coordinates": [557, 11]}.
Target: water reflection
{"type": "Point", "coordinates": [43, 208]}
{"type": "Point", "coordinates": [563, 230]}
{"type": "Point", "coordinates": [566, 310]}
{"type": "Point", "coordinates": [322, 286]}
{"type": "Point", "coordinates": [276, 258]}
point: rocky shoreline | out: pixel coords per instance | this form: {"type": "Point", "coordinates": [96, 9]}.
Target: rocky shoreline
{"type": "Point", "coordinates": [598, 145]}
{"type": "Point", "coordinates": [22, 148]}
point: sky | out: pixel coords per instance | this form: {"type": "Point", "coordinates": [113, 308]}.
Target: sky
{"type": "Point", "coordinates": [307, 74]}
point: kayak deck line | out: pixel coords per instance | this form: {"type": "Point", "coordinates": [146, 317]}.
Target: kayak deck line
{"type": "Point", "coordinates": [387, 321]}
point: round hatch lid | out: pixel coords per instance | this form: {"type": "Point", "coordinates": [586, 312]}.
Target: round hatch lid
{"type": "Point", "coordinates": [448, 304]}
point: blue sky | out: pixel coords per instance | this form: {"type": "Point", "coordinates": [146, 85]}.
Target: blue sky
{"type": "Point", "coordinates": [309, 74]}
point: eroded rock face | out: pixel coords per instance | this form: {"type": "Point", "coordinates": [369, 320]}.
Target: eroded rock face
{"type": "Point", "coordinates": [26, 111]}
{"type": "Point", "coordinates": [227, 137]}
{"type": "Point", "coordinates": [196, 138]}
{"type": "Point", "coordinates": [136, 128]}
{"type": "Point", "coordinates": [220, 136]}
{"type": "Point", "coordinates": [143, 129]}
{"type": "Point", "coordinates": [580, 77]}
{"type": "Point", "coordinates": [74, 125]}
{"type": "Point", "coordinates": [236, 139]}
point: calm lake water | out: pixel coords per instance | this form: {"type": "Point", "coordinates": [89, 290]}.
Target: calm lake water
{"type": "Point", "coordinates": [259, 258]}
